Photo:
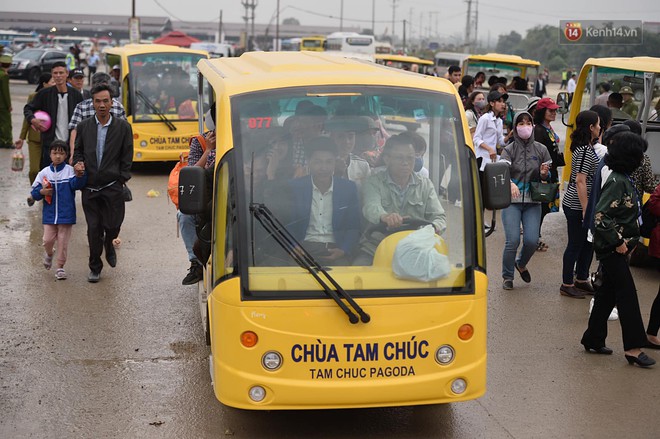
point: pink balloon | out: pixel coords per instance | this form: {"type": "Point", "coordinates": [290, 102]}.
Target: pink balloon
{"type": "Point", "coordinates": [44, 118]}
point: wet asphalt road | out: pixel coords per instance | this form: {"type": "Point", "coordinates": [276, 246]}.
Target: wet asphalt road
{"type": "Point", "coordinates": [126, 357]}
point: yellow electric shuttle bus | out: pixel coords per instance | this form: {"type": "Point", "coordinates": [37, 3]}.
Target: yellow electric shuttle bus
{"type": "Point", "coordinates": [157, 89]}
{"type": "Point", "coordinates": [296, 322]}
{"type": "Point", "coordinates": [314, 43]}
{"type": "Point", "coordinates": [405, 62]}
{"type": "Point", "coordinates": [510, 67]}
{"type": "Point", "coordinates": [640, 78]}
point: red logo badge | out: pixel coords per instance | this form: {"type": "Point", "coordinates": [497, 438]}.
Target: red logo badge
{"type": "Point", "coordinates": [573, 31]}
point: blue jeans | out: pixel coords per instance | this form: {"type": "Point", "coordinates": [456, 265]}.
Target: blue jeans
{"type": "Point", "coordinates": [579, 252]}
{"type": "Point", "coordinates": [529, 215]}
{"type": "Point", "coordinates": [188, 232]}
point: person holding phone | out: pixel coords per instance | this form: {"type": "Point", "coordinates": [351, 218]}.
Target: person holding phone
{"type": "Point", "coordinates": [529, 161]}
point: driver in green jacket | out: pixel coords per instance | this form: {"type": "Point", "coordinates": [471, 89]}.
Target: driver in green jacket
{"type": "Point", "coordinates": [398, 194]}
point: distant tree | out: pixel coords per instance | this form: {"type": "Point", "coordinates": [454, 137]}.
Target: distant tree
{"type": "Point", "coordinates": [556, 63]}
{"type": "Point", "coordinates": [509, 43]}
{"type": "Point", "coordinates": [291, 21]}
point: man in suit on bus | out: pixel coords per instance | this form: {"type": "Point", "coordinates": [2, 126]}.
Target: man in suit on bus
{"type": "Point", "coordinates": [325, 209]}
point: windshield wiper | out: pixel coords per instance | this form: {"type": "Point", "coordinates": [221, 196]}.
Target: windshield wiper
{"type": "Point", "coordinates": [155, 110]}
{"type": "Point", "coordinates": [303, 258]}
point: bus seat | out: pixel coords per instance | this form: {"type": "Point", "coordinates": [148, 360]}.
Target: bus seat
{"type": "Point", "coordinates": [518, 101]}
{"type": "Point", "coordinates": [385, 250]}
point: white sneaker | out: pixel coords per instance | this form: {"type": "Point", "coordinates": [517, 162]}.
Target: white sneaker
{"type": "Point", "coordinates": [60, 274]}
{"type": "Point", "coordinates": [614, 315]}
{"type": "Point", "coordinates": [458, 203]}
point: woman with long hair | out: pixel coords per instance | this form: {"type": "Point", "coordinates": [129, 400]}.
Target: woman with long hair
{"type": "Point", "coordinates": [579, 251]}
{"type": "Point", "coordinates": [616, 233]}
{"type": "Point", "coordinates": [474, 109]}
{"type": "Point", "coordinates": [529, 162]}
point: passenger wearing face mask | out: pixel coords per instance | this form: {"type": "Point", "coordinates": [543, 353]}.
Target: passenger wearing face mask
{"type": "Point", "coordinates": [529, 161]}
{"type": "Point", "coordinates": [474, 108]}
{"type": "Point", "coordinates": [419, 144]}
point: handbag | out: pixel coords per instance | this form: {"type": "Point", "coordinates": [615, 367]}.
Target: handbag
{"type": "Point", "coordinates": [543, 192]}
{"type": "Point", "coordinates": [126, 192]}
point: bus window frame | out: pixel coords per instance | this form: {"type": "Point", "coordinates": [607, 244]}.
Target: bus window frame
{"type": "Point", "coordinates": [130, 83]}
{"type": "Point", "coordinates": [225, 168]}
{"type": "Point", "coordinates": [472, 257]}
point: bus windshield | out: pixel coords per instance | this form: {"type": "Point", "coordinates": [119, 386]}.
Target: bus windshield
{"type": "Point", "coordinates": [333, 164]}
{"type": "Point", "coordinates": [163, 83]}
{"type": "Point", "coordinates": [517, 76]}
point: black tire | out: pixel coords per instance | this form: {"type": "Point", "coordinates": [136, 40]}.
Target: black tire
{"type": "Point", "coordinates": [33, 75]}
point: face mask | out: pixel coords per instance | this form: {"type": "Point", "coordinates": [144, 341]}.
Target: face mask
{"type": "Point", "coordinates": [419, 164]}
{"type": "Point", "coordinates": [525, 131]}
{"type": "Point", "coordinates": [209, 121]}
{"type": "Point", "coordinates": [480, 104]}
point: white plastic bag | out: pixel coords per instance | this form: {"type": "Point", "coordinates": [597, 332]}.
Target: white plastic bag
{"type": "Point", "coordinates": [416, 257]}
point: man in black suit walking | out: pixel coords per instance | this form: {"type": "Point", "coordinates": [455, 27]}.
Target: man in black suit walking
{"type": "Point", "coordinates": [104, 147]}
{"type": "Point", "coordinates": [539, 86]}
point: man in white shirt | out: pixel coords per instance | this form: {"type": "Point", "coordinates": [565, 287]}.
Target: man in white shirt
{"type": "Point", "coordinates": [571, 88]}
{"type": "Point", "coordinates": [326, 211]}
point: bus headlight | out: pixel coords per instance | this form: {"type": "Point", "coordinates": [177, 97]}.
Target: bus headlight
{"type": "Point", "coordinates": [458, 386]}
{"type": "Point", "coordinates": [258, 393]}
{"type": "Point", "coordinates": [444, 354]}
{"type": "Point", "coordinates": [143, 144]}
{"type": "Point", "coordinates": [271, 360]}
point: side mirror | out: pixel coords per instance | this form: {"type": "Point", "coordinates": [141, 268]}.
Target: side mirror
{"type": "Point", "coordinates": [497, 186]}
{"type": "Point", "coordinates": [192, 190]}
{"type": "Point", "coordinates": [562, 101]}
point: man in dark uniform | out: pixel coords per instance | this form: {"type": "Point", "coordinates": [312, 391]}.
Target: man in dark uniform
{"type": "Point", "coordinates": [59, 102]}
{"type": "Point", "coordinates": [6, 139]}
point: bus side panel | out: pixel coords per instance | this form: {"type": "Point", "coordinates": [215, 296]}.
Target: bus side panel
{"type": "Point", "coordinates": [330, 363]}
{"type": "Point", "coordinates": [153, 141]}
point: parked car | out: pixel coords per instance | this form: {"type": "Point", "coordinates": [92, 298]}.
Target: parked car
{"type": "Point", "coordinates": [29, 64]}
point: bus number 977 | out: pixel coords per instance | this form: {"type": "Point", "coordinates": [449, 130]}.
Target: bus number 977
{"type": "Point", "coordinates": [259, 122]}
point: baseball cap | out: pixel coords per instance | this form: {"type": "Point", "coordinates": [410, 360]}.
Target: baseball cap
{"type": "Point", "coordinates": [496, 96]}
{"type": "Point", "coordinates": [76, 73]}
{"type": "Point", "coordinates": [546, 103]}
{"type": "Point", "coordinates": [5, 59]}
{"type": "Point", "coordinates": [626, 90]}
{"type": "Point", "coordinates": [116, 67]}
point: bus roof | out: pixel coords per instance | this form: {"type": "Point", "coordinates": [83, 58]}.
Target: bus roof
{"type": "Point", "coordinates": [403, 58]}
{"type": "Point", "coordinates": [637, 63]}
{"type": "Point", "coordinates": [137, 49]}
{"type": "Point", "coordinates": [255, 71]}
{"type": "Point", "coordinates": [502, 58]}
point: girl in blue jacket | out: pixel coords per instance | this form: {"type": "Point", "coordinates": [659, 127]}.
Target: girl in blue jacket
{"type": "Point", "coordinates": [56, 184]}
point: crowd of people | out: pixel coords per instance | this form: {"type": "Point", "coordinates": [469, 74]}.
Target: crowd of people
{"type": "Point", "coordinates": [602, 204]}
{"type": "Point", "coordinates": [345, 170]}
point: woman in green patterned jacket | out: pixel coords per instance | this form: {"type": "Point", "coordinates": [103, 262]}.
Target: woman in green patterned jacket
{"type": "Point", "coordinates": [616, 232]}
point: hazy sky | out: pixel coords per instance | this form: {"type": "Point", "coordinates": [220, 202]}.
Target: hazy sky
{"type": "Point", "coordinates": [446, 18]}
